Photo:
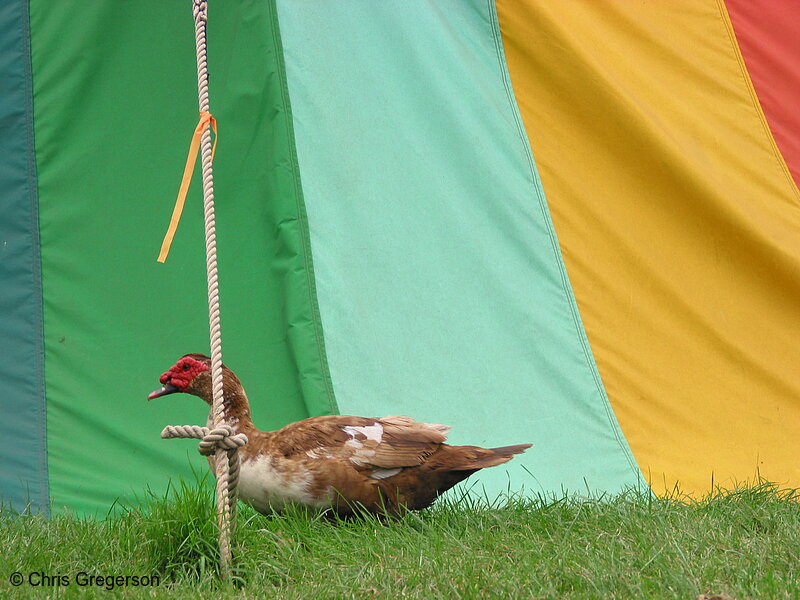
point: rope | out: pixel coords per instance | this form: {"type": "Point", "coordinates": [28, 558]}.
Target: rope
{"type": "Point", "coordinates": [220, 440]}
{"type": "Point", "coordinates": [226, 484]}
{"type": "Point", "coordinates": [212, 439]}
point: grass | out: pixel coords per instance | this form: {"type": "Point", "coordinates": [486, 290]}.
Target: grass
{"type": "Point", "coordinates": [739, 544]}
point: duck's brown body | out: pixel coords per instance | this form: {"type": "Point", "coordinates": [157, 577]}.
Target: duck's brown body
{"type": "Point", "coordinates": [338, 462]}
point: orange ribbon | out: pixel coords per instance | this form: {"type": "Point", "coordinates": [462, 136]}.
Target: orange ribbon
{"type": "Point", "coordinates": [206, 120]}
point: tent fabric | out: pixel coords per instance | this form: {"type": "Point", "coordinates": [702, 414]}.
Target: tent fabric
{"type": "Point", "coordinates": [769, 38]}
{"type": "Point", "coordinates": [440, 282]}
{"type": "Point", "coordinates": [570, 224]}
{"type": "Point", "coordinates": [23, 453]}
{"type": "Point", "coordinates": [115, 105]}
{"type": "Point", "coordinates": [678, 225]}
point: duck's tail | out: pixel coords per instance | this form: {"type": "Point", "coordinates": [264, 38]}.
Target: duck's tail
{"type": "Point", "coordinates": [451, 464]}
{"type": "Point", "coordinates": [491, 457]}
{"type": "Point", "coordinates": [472, 458]}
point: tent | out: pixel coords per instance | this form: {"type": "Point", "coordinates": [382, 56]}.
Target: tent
{"type": "Point", "coordinates": [575, 224]}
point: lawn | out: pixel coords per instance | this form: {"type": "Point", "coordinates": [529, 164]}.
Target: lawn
{"type": "Point", "coordinates": [739, 544]}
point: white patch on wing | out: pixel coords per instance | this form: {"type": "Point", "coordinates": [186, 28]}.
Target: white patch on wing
{"type": "Point", "coordinates": [359, 436]}
{"type": "Point", "coordinates": [263, 486]}
{"type": "Point", "coordinates": [361, 457]}
{"type": "Point", "coordinates": [319, 453]}
{"type": "Point", "coordinates": [385, 473]}
{"type": "Point", "coordinates": [354, 443]}
{"type": "Point", "coordinates": [371, 432]}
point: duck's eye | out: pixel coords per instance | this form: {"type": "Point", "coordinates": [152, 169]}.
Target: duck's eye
{"type": "Point", "coordinates": [185, 366]}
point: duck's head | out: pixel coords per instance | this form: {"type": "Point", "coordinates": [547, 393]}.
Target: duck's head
{"type": "Point", "coordinates": [190, 375]}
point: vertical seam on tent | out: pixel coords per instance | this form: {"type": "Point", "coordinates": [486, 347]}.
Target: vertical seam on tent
{"type": "Point", "coordinates": [44, 483]}
{"type": "Point", "coordinates": [726, 20]}
{"type": "Point", "coordinates": [590, 362]}
{"type": "Point", "coordinates": [301, 213]}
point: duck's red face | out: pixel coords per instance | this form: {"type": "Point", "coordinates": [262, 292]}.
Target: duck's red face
{"type": "Point", "coordinates": [182, 375]}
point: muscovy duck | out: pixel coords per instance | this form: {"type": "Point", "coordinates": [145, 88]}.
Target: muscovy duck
{"type": "Point", "coordinates": [337, 462]}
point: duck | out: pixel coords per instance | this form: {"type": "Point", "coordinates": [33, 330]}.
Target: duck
{"type": "Point", "coordinates": [336, 463]}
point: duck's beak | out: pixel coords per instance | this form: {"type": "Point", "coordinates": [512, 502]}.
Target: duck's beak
{"type": "Point", "coordinates": [165, 389]}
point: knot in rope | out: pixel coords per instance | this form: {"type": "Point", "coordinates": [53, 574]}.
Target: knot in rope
{"type": "Point", "coordinates": [211, 439]}
{"type": "Point", "coordinates": [221, 437]}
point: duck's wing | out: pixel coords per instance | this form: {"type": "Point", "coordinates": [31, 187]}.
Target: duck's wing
{"type": "Point", "coordinates": [380, 443]}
